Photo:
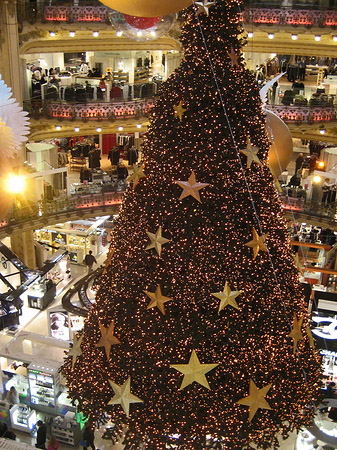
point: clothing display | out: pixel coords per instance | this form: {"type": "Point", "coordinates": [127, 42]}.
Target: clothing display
{"type": "Point", "coordinates": [94, 158]}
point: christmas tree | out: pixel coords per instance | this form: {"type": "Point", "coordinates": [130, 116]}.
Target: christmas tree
{"type": "Point", "coordinates": [200, 326]}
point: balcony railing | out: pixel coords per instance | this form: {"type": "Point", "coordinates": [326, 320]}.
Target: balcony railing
{"type": "Point", "coordinates": [304, 114]}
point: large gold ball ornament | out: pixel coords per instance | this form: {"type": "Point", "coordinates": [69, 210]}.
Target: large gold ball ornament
{"type": "Point", "coordinates": [282, 143]}
{"type": "Point", "coordinates": [147, 8]}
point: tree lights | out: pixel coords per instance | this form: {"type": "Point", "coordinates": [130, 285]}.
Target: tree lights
{"type": "Point", "coordinates": [242, 380]}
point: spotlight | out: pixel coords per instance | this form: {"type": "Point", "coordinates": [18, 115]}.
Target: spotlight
{"type": "Point", "coordinates": [317, 179]}
{"type": "Point", "coordinates": [57, 127]}
{"type": "Point", "coordinates": [120, 128]}
{"type": "Point", "coordinates": [14, 184]}
{"type": "Point", "coordinates": [334, 38]}
{"type": "Point", "coordinates": [98, 129]}
{"type": "Point", "coordinates": [317, 38]}
{"type": "Point", "coordinates": [271, 35]}
{"type": "Point", "coordinates": [322, 129]}
{"type": "Point", "coordinates": [95, 33]}
{"type": "Point", "coordinates": [139, 125]}
{"type": "Point", "coordinates": [119, 33]}
{"type": "Point", "coordinates": [52, 33]}
{"type": "Point", "coordinates": [139, 33]}
{"type": "Point", "coordinates": [72, 33]}
{"type": "Point", "coordinates": [76, 129]}
{"type": "Point", "coordinates": [320, 165]}
{"type": "Point", "coordinates": [250, 34]}
{"type": "Point", "coordinates": [294, 37]}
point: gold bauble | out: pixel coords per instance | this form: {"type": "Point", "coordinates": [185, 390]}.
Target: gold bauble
{"type": "Point", "coordinates": [282, 143]}
{"type": "Point", "coordinates": [147, 8]}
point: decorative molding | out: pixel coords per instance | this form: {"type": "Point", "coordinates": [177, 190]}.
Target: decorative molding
{"type": "Point", "coordinates": [304, 114]}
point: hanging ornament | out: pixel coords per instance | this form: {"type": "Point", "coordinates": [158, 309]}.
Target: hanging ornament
{"type": "Point", "coordinates": [136, 175]}
{"type": "Point", "coordinates": [157, 299]}
{"type": "Point", "coordinates": [141, 28]}
{"type": "Point", "coordinates": [257, 243]}
{"type": "Point", "coordinates": [251, 153]}
{"type": "Point", "coordinates": [14, 123]}
{"type": "Point", "coordinates": [296, 333]}
{"type": "Point", "coordinates": [123, 396]}
{"type": "Point", "coordinates": [227, 297]}
{"type": "Point", "coordinates": [108, 339]}
{"type": "Point", "coordinates": [141, 23]}
{"type": "Point", "coordinates": [179, 111]}
{"type": "Point", "coordinates": [204, 6]}
{"type": "Point", "coordinates": [234, 58]}
{"type": "Point", "coordinates": [191, 187]}
{"type": "Point", "coordinates": [256, 399]}
{"type": "Point", "coordinates": [147, 8]}
{"type": "Point", "coordinates": [157, 240]}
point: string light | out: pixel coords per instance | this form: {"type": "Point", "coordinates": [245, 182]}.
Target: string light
{"type": "Point", "coordinates": [206, 248]}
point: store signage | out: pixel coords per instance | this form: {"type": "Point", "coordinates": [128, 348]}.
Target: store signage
{"type": "Point", "coordinates": [328, 353]}
{"type": "Point", "coordinates": [328, 329]}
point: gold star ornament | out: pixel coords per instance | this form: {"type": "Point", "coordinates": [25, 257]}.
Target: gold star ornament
{"type": "Point", "coordinates": [296, 333]}
{"type": "Point", "coordinates": [123, 396]}
{"type": "Point", "coordinates": [194, 371]}
{"type": "Point", "coordinates": [137, 175]}
{"type": "Point", "coordinates": [108, 339]}
{"type": "Point", "coordinates": [227, 297]}
{"type": "Point", "coordinates": [256, 399]}
{"type": "Point", "coordinates": [191, 187]}
{"type": "Point", "coordinates": [234, 58]}
{"type": "Point", "coordinates": [157, 299]}
{"type": "Point", "coordinates": [257, 244]}
{"type": "Point", "coordinates": [251, 153]}
{"type": "Point", "coordinates": [157, 240]}
{"type": "Point", "coordinates": [76, 351]}
{"type": "Point", "coordinates": [204, 6]}
{"type": "Point", "coordinates": [179, 111]}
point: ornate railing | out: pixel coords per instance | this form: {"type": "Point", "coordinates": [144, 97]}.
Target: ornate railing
{"type": "Point", "coordinates": [304, 114]}
{"type": "Point", "coordinates": [264, 15]}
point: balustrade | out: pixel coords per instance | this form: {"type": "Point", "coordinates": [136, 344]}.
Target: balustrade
{"type": "Point", "coordinates": [304, 114]}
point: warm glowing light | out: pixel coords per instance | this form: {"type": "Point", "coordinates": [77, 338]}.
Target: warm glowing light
{"type": "Point", "coordinates": [72, 33]}
{"type": "Point", "coordinates": [120, 128]}
{"type": "Point", "coordinates": [139, 33]}
{"type": "Point", "coordinates": [294, 37]}
{"type": "Point", "coordinates": [139, 125]}
{"type": "Point", "coordinates": [153, 33]}
{"type": "Point", "coordinates": [76, 129]}
{"type": "Point", "coordinates": [334, 38]}
{"type": "Point", "coordinates": [271, 35]}
{"type": "Point", "coordinates": [317, 37]}
{"type": "Point", "coordinates": [317, 179]}
{"type": "Point", "coordinates": [119, 33]}
{"type": "Point", "coordinates": [57, 127]}
{"type": "Point", "coordinates": [95, 33]}
{"type": "Point", "coordinates": [52, 33]}
{"type": "Point", "coordinates": [250, 34]}
{"type": "Point", "coordinates": [98, 129]}
{"type": "Point", "coordinates": [15, 184]}
{"type": "Point", "coordinates": [320, 164]}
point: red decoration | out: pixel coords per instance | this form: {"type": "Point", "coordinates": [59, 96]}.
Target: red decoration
{"type": "Point", "coordinates": [142, 23]}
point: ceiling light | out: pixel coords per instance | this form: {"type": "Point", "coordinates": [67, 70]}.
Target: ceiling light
{"type": "Point", "coordinates": [317, 179]}
{"type": "Point", "coordinates": [153, 33]}
{"type": "Point", "coordinates": [317, 37]}
{"type": "Point", "coordinates": [120, 128]}
{"type": "Point", "coordinates": [76, 129]}
{"type": "Point", "coordinates": [57, 127]}
{"type": "Point", "coordinates": [250, 34]}
{"type": "Point", "coordinates": [95, 33]}
{"type": "Point", "coordinates": [98, 129]}
{"type": "Point", "coordinates": [119, 33]}
{"type": "Point", "coordinates": [334, 38]}
{"type": "Point", "coordinates": [139, 125]}
{"type": "Point", "coordinates": [52, 33]}
{"type": "Point", "coordinates": [139, 33]}
{"type": "Point", "coordinates": [322, 129]}
{"type": "Point", "coordinates": [294, 37]}
{"type": "Point", "coordinates": [320, 164]}
{"type": "Point", "coordinates": [72, 33]}
{"type": "Point", "coordinates": [271, 35]}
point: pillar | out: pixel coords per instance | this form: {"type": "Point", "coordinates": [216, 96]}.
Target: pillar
{"type": "Point", "coordinates": [157, 63]}
{"type": "Point", "coordinates": [22, 244]}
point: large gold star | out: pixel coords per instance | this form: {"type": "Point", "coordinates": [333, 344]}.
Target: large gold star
{"type": "Point", "coordinates": [123, 396]}
{"type": "Point", "coordinates": [137, 174]}
{"type": "Point", "coordinates": [296, 333]}
{"type": "Point", "coordinates": [227, 297]}
{"type": "Point", "coordinates": [251, 153]}
{"type": "Point", "coordinates": [76, 351]}
{"type": "Point", "coordinates": [257, 244]}
{"type": "Point", "coordinates": [157, 299]}
{"type": "Point", "coordinates": [179, 111]}
{"type": "Point", "coordinates": [204, 6]}
{"type": "Point", "coordinates": [255, 399]}
{"type": "Point", "coordinates": [157, 240]}
{"type": "Point", "coordinates": [191, 187]}
{"type": "Point", "coordinates": [194, 371]}
{"type": "Point", "coordinates": [234, 58]}
{"type": "Point", "coordinates": [108, 339]}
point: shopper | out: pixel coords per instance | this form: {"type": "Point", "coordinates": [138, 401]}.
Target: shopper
{"type": "Point", "coordinates": [89, 261]}
{"type": "Point", "coordinates": [12, 396]}
{"type": "Point", "coordinates": [41, 435]}
{"type": "Point", "coordinates": [53, 443]}
{"type": "Point", "coordinates": [299, 162]}
{"type": "Point", "coordinates": [88, 437]}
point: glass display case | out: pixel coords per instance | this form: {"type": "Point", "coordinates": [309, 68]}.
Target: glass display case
{"type": "Point", "coordinates": [66, 429]}
{"type": "Point", "coordinates": [44, 388]}
{"type": "Point", "coordinates": [23, 418]}
{"type": "Point", "coordinates": [41, 294]}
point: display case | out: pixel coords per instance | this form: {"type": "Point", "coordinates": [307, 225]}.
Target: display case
{"type": "Point", "coordinates": [62, 324]}
{"type": "Point", "coordinates": [44, 387]}
{"type": "Point", "coordinates": [41, 294]}
{"type": "Point", "coordinates": [20, 382]}
{"type": "Point", "coordinates": [66, 429]}
{"type": "Point", "coordinates": [63, 404]}
{"type": "Point", "coordinates": [23, 418]}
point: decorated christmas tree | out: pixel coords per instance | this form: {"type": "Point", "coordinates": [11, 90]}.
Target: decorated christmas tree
{"type": "Point", "coordinates": [200, 326]}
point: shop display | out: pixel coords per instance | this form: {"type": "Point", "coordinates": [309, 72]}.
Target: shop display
{"type": "Point", "coordinates": [62, 324]}
{"type": "Point", "coordinates": [18, 379]}
{"type": "Point", "coordinates": [44, 387]}
{"type": "Point", "coordinates": [63, 404]}
{"type": "Point", "coordinates": [22, 418]}
{"type": "Point", "coordinates": [41, 294]}
{"type": "Point", "coordinates": [66, 429]}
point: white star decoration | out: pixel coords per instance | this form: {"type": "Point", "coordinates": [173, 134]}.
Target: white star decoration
{"type": "Point", "coordinates": [204, 6]}
{"type": "Point", "coordinates": [251, 153]}
{"type": "Point", "coordinates": [123, 396]}
{"type": "Point", "coordinates": [157, 240]}
{"type": "Point", "coordinates": [191, 187]}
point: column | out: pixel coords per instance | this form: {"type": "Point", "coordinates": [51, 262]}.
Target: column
{"type": "Point", "coordinates": [157, 67]}
{"type": "Point", "coordinates": [22, 244]}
